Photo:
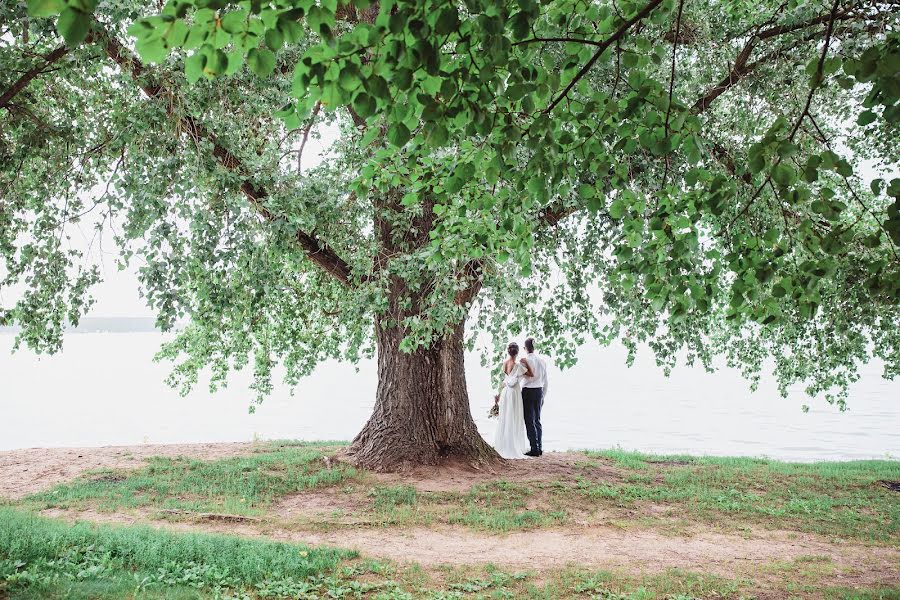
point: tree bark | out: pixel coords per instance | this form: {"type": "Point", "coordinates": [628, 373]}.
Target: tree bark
{"type": "Point", "coordinates": [421, 413]}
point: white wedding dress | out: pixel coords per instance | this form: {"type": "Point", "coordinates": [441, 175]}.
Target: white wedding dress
{"type": "Point", "coordinates": [511, 440]}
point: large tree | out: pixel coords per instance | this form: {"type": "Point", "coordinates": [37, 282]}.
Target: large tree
{"type": "Point", "coordinates": [684, 174]}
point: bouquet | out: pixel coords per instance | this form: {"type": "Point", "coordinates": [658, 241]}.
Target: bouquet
{"type": "Point", "coordinates": [494, 412]}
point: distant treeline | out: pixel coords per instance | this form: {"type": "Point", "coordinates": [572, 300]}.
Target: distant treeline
{"type": "Point", "coordinates": [105, 325]}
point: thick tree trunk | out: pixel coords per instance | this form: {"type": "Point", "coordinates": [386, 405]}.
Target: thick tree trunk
{"type": "Point", "coordinates": [421, 413]}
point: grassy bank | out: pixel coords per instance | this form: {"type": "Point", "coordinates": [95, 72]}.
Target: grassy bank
{"type": "Point", "coordinates": [241, 485]}
{"type": "Point", "coordinates": [849, 500]}
{"type": "Point", "coordinates": [46, 558]}
{"type": "Point", "coordinates": [296, 490]}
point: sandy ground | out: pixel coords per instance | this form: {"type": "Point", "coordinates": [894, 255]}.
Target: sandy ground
{"type": "Point", "coordinates": [592, 545]}
{"type": "Point", "coordinates": [24, 472]}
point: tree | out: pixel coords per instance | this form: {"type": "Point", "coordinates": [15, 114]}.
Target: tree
{"type": "Point", "coordinates": [680, 173]}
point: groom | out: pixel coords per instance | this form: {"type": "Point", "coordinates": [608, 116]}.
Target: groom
{"type": "Point", "coordinates": [533, 390]}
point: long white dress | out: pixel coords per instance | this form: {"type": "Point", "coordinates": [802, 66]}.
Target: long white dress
{"type": "Point", "coordinates": [511, 440]}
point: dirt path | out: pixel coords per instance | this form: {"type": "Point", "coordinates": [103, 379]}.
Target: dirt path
{"type": "Point", "coordinates": [32, 470]}
{"type": "Point", "coordinates": [641, 551]}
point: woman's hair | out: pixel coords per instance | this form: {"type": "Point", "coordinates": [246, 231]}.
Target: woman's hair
{"type": "Point", "coordinates": [513, 349]}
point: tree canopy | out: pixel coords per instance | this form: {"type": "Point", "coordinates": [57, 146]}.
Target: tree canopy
{"type": "Point", "coordinates": [706, 178]}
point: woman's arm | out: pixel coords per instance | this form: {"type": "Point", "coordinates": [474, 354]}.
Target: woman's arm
{"type": "Point", "coordinates": [525, 364]}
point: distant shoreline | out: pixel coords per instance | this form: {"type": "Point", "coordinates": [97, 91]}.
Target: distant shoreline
{"type": "Point", "coordinates": [104, 325]}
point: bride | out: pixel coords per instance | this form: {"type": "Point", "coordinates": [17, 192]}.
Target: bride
{"type": "Point", "coordinates": [511, 441]}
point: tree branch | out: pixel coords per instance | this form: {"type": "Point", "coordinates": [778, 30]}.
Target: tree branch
{"type": "Point", "coordinates": [741, 67]}
{"type": "Point", "coordinates": [316, 250]}
{"type": "Point", "coordinates": [623, 29]}
{"type": "Point", "coordinates": [25, 79]}
{"type": "Point", "coordinates": [817, 81]}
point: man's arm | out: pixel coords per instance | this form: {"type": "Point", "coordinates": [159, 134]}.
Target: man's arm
{"type": "Point", "coordinates": [546, 385]}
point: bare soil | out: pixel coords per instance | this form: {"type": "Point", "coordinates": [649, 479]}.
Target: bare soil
{"type": "Point", "coordinates": [457, 476]}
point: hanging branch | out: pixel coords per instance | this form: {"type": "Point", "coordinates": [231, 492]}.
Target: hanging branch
{"type": "Point", "coordinates": [306, 131]}
{"type": "Point", "coordinates": [623, 29]}
{"type": "Point", "coordinates": [853, 191]}
{"type": "Point", "coordinates": [742, 68]}
{"type": "Point", "coordinates": [816, 82]}
{"type": "Point", "coordinates": [672, 84]}
{"type": "Point", "coordinates": [315, 249]}
{"type": "Point", "coordinates": [25, 79]}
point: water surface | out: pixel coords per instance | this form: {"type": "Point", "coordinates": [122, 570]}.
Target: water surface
{"type": "Point", "coordinates": [104, 389]}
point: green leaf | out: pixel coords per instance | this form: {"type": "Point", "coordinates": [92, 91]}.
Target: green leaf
{"type": "Point", "coordinates": [235, 21]}
{"type": "Point", "coordinates": [875, 186]}
{"type": "Point", "coordinates": [73, 26]}
{"type": "Point", "coordinates": [843, 168]}
{"type": "Point", "coordinates": [783, 174]}
{"type": "Point", "coordinates": [290, 30]}
{"type": "Point", "coordinates": [447, 21]}
{"type": "Point", "coordinates": [193, 66]}
{"type": "Point", "coordinates": [364, 105]}
{"type": "Point", "coordinates": [350, 78]}
{"type": "Point", "coordinates": [437, 136]}
{"type": "Point", "coordinates": [865, 118]}
{"type": "Point", "coordinates": [398, 134]}
{"type": "Point", "coordinates": [261, 61]}
{"type": "Point", "coordinates": [153, 50]}
{"type": "Point", "coordinates": [274, 39]}
{"type": "Point", "coordinates": [320, 20]}
{"type": "Point", "coordinates": [617, 209]}
{"type": "Point", "coordinates": [45, 8]}
{"type": "Point", "coordinates": [757, 163]}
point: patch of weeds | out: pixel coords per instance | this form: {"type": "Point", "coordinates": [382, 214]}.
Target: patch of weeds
{"type": "Point", "coordinates": [886, 593]}
{"type": "Point", "coordinates": [674, 584]}
{"type": "Point", "coordinates": [504, 520]}
{"type": "Point", "coordinates": [400, 495]}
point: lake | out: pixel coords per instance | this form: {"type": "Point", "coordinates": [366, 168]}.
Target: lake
{"type": "Point", "coordinates": [104, 389]}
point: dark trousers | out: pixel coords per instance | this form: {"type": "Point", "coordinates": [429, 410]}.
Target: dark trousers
{"type": "Point", "coordinates": [532, 399]}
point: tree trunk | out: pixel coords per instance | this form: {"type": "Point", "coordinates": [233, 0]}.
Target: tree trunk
{"type": "Point", "coordinates": [421, 413]}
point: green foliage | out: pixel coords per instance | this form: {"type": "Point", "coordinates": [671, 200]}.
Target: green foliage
{"type": "Point", "coordinates": [585, 162]}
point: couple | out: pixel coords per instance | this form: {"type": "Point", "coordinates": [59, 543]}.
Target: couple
{"type": "Point", "coordinates": [520, 400]}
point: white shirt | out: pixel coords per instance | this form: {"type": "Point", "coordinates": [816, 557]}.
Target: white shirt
{"type": "Point", "coordinates": [538, 368]}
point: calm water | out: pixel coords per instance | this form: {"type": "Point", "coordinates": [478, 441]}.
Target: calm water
{"type": "Point", "coordinates": [104, 389]}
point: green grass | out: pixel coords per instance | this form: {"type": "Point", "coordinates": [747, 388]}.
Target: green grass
{"type": "Point", "coordinates": [44, 558]}
{"type": "Point", "coordinates": [240, 485]}
{"type": "Point", "coordinates": [838, 499]}
{"type": "Point", "coordinates": [844, 499]}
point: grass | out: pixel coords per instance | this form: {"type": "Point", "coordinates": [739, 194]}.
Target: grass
{"type": "Point", "coordinates": [677, 495]}
{"type": "Point", "coordinates": [837, 499]}
{"type": "Point", "coordinates": [840, 499]}
{"type": "Point", "coordinates": [242, 485]}
{"type": "Point", "coordinates": [44, 558]}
